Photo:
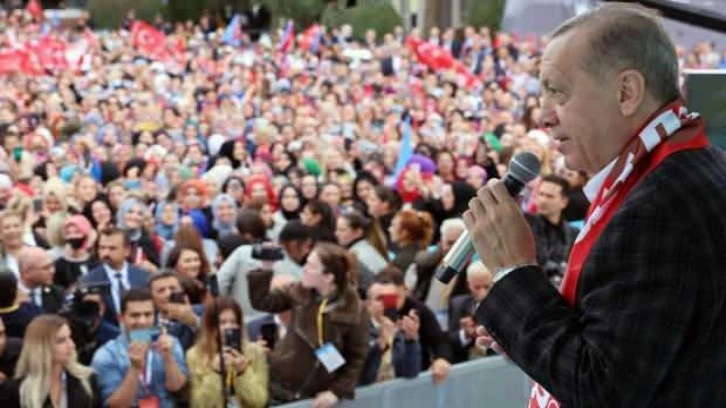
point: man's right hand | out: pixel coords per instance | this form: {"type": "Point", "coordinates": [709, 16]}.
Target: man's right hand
{"type": "Point", "coordinates": [137, 354]}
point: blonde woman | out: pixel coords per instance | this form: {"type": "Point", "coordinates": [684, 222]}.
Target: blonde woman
{"type": "Point", "coordinates": [48, 374]}
{"type": "Point", "coordinates": [11, 240]}
{"type": "Point", "coordinates": [23, 205]}
{"type": "Point", "coordinates": [245, 363]}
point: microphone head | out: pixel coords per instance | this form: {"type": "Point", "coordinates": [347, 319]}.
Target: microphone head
{"type": "Point", "coordinates": [524, 167]}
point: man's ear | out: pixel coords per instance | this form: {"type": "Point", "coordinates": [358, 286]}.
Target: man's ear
{"type": "Point", "coordinates": [631, 91]}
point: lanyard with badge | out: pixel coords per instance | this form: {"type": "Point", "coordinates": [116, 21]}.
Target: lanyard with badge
{"type": "Point", "coordinates": [145, 377]}
{"type": "Point", "coordinates": [327, 354]}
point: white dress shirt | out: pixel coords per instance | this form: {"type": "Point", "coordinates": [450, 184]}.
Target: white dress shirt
{"type": "Point", "coordinates": [115, 289]}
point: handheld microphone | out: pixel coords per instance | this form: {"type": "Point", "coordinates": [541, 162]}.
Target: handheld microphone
{"type": "Point", "coordinates": [523, 168]}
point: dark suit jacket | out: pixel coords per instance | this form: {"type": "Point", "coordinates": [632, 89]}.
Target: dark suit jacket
{"type": "Point", "coordinates": [137, 278]}
{"type": "Point", "coordinates": [18, 319]}
{"type": "Point", "coordinates": [459, 306]}
{"type": "Point", "coordinates": [434, 342]}
{"type": "Point", "coordinates": [648, 323]}
{"type": "Point", "coordinates": [54, 298]}
{"type": "Point", "coordinates": [76, 394]}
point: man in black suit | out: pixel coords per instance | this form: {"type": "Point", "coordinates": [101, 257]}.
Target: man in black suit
{"type": "Point", "coordinates": [640, 320]}
{"type": "Point", "coordinates": [553, 236]}
{"type": "Point", "coordinates": [36, 279]}
{"type": "Point", "coordinates": [462, 310]}
{"type": "Point", "coordinates": [113, 249]}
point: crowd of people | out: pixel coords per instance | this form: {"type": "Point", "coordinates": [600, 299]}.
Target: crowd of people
{"type": "Point", "coordinates": [238, 226]}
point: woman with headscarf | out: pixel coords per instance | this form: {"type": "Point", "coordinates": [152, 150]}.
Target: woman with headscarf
{"type": "Point", "coordinates": [130, 218]}
{"type": "Point", "coordinates": [194, 205]}
{"type": "Point", "coordinates": [224, 214]}
{"type": "Point", "coordinates": [260, 187]}
{"type": "Point", "coordinates": [166, 216]}
{"type": "Point", "coordinates": [452, 203]}
{"type": "Point", "coordinates": [290, 207]}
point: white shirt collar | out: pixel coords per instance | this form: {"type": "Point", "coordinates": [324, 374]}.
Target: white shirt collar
{"type": "Point", "coordinates": [111, 273]}
{"type": "Point", "coordinates": [593, 186]}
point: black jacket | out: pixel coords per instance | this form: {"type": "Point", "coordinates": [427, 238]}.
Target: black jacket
{"type": "Point", "coordinates": [434, 342]}
{"type": "Point", "coordinates": [647, 326]}
{"type": "Point", "coordinates": [76, 394]}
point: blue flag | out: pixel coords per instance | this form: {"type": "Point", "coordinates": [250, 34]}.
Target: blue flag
{"type": "Point", "coordinates": [406, 149]}
{"type": "Point", "coordinates": [233, 33]}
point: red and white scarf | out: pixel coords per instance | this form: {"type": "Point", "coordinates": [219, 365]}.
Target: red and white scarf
{"type": "Point", "coordinates": [652, 144]}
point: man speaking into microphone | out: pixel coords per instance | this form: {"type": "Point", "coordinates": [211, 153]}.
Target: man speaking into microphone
{"type": "Point", "coordinates": [641, 318]}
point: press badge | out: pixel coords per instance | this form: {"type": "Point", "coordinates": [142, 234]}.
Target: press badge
{"type": "Point", "coordinates": [330, 357]}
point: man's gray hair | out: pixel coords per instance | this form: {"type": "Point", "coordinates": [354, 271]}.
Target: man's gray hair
{"type": "Point", "coordinates": [452, 223]}
{"type": "Point", "coordinates": [624, 36]}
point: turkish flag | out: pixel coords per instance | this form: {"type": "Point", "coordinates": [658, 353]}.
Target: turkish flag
{"type": "Point", "coordinates": [35, 9]}
{"type": "Point", "coordinates": [51, 53]}
{"type": "Point", "coordinates": [10, 62]}
{"type": "Point", "coordinates": [434, 56]}
{"type": "Point", "coordinates": [149, 40]}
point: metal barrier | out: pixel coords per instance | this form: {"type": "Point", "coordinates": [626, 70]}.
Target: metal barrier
{"type": "Point", "coordinates": [489, 382]}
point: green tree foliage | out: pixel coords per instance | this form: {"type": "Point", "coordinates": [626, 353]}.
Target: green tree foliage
{"type": "Point", "coordinates": [487, 13]}
{"type": "Point", "coordinates": [110, 13]}
{"type": "Point", "coordinates": [303, 12]}
{"type": "Point", "coordinates": [380, 16]}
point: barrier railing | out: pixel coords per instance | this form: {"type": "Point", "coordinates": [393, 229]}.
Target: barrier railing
{"type": "Point", "coordinates": [489, 382]}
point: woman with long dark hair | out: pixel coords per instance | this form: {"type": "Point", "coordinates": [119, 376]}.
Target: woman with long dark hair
{"type": "Point", "coordinates": [245, 363]}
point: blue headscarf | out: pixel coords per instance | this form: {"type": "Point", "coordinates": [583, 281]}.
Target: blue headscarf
{"type": "Point", "coordinates": [166, 231]}
{"type": "Point", "coordinates": [221, 227]}
{"type": "Point", "coordinates": [125, 207]}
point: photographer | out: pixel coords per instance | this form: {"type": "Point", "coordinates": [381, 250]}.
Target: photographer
{"type": "Point", "coordinates": [85, 316]}
{"type": "Point", "coordinates": [296, 242]}
{"type": "Point", "coordinates": [245, 362]}
{"type": "Point", "coordinates": [323, 352]}
{"type": "Point", "coordinates": [173, 310]}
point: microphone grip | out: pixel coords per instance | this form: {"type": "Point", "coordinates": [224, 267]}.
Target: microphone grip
{"type": "Point", "coordinates": [455, 260]}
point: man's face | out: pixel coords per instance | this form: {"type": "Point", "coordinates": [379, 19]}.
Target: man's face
{"type": "Point", "coordinates": [376, 292]}
{"type": "Point", "coordinates": [161, 289]}
{"type": "Point", "coordinates": [479, 285]}
{"type": "Point", "coordinates": [579, 108]}
{"type": "Point", "coordinates": [138, 315]}
{"type": "Point", "coordinates": [298, 250]}
{"type": "Point", "coordinates": [112, 251]}
{"type": "Point", "coordinates": [42, 269]}
{"type": "Point", "coordinates": [550, 200]}
{"type": "Point", "coordinates": [449, 237]}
